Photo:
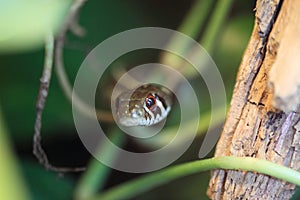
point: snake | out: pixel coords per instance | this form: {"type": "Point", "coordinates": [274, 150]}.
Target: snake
{"type": "Point", "coordinates": [145, 105]}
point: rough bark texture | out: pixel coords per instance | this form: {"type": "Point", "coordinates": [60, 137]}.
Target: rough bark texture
{"type": "Point", "coordinates": [258, 125]}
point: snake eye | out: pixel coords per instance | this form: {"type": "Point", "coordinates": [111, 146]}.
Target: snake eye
{"type": "Point", "coordinates": [150, 102]}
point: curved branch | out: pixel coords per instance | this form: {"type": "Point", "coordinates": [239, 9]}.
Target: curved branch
{"type": "Point", "coordinates": [38, 151]}
{"type": "Point", "coordinates": [61, 73]}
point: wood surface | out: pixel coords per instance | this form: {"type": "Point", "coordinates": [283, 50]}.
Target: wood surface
{"type": "Point", "coordinates": [263, 119]}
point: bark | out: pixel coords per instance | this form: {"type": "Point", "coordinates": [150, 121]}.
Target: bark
{"type": "Point", "coordinates": [263, 119]}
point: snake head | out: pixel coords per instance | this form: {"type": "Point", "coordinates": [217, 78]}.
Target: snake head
{"type": "Point", "coordinates": [145, 106]}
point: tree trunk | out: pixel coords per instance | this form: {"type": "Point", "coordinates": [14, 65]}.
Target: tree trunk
{"type": "Point", "coordinates": [263, 120]}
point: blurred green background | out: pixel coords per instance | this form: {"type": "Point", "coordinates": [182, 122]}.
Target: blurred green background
{"type": "Point", "coordinates": [21, 69]}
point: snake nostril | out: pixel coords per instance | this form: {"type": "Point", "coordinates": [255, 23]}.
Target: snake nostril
{"type": "Point", "coordinates": [136, 113]}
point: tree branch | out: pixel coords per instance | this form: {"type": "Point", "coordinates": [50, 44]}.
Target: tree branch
{"type": "Point", "coordinates": [60, 69]}
{"type": "Point", "coordinates": [38, 151]}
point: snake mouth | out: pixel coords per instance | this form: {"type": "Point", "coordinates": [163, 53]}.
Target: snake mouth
{"type": "Point", "coordinates": [156, 119]}
{"type": "Point", "coordinates": [125, 121]}
{"type": "Point", "coordinates": [142, 121]}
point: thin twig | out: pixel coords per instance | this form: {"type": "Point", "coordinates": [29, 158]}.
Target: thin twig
{"type": "Point", "coordinates": [38, 151]}
{"type": "Point", "coordinates": [61, 73]}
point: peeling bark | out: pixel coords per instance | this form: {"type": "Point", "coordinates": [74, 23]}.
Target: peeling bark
{"type": "Point", "coordinates": [258, 125]}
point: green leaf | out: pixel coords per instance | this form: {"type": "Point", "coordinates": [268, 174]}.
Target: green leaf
{"type": "Point", "coordinates": [24, 23]}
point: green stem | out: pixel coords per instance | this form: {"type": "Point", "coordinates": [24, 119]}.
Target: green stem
{"type": "Point", "coordinates": [208, 39]}
{"type": "Point", "coordinates": [194, 21]}
{"type": "Point", "coordinates": [145, 183]}
{"type": "Point", "coordinates": [191, 26]}
{"type": "Point", "coordinates": [11, 184]}
{"type": "Point", "coordinates": [215, 24]}
{"type": "Point", "coordinates": [96, 174]}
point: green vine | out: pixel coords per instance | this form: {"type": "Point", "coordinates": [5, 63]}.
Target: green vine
{"type": "Point", "coordinates": [145, 183]}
